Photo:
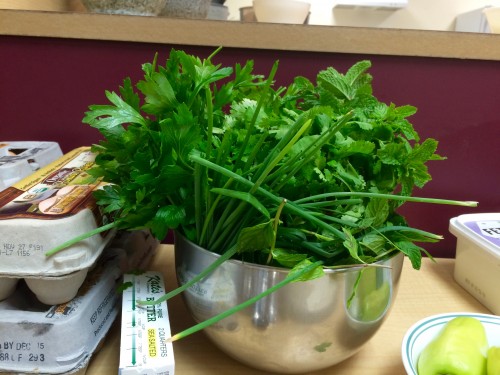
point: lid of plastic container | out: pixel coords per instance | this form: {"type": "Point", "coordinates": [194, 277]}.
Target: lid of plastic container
{"type": "Point", "coordinates": [481, 228]}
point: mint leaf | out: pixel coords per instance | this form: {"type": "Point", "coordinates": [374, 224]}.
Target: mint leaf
{"type": "Point", "coordinates": [413, 252]}
{"type": "Point", "coordinates": [356, 75]}
{"type": "Point", "coordinates": [393, 154]}
{"type": "Point", "coordinates": [258, 237]}
{"type": "Point", "coordinates": [417, 159]}
{"type": "Point", "coordinates": [376, 214]}
{"type": "Point", "coordinates": [351, 245]}
{"type": "Point", "coordinates": [376, 243]}
{"type": "Point", "coordinates": [286, 258]}
{"type": "Point", "coordinates": [315, 273]}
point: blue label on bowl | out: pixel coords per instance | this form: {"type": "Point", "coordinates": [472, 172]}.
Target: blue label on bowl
{"type": "Point", "coordinates": [487, 229]}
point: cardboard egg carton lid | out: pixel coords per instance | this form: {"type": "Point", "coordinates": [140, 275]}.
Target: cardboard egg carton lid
{"type": "Point", "coordinates": [20, 159]}
{"type": "Point", "coordinates": [46, 209]}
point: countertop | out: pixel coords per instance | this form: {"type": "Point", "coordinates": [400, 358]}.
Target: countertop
{"type": "Point", "coordinates": [430, 290]}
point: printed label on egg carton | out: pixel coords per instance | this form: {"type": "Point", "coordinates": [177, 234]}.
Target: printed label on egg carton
{"type": "Point", "coordinates": [41, 339]}
{"type": "Point", "coordinates": [42, 211]}
{"type": "Point", "coordinates": [20, 159]}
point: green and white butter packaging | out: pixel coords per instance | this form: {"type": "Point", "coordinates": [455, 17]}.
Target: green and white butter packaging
{"type": "Point", "coordinates": [145, 329]}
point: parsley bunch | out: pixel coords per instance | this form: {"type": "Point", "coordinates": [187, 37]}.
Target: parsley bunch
{"type": "Point", "coordinates": [285, 176]}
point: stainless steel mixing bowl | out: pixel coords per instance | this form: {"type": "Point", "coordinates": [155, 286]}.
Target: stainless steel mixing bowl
{"type": "Point", "coordinates": [303, 327]}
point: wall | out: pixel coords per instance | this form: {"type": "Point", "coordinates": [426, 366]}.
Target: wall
{"type": "Point", "coordinates": [418, 14]}
{"type": "Point", "coordinates": [47, 85]}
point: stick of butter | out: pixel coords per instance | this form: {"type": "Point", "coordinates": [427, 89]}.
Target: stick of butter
{"type": "Point", "coordinates": [145, 330]}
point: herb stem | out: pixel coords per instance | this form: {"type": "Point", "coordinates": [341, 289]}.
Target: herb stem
{"type": "Point", "coordinates": [275, 229]}
{"type": "Point", "coordinates": [198, 198]}
{"type": "Point", "coordinates": [209, 217]}
{"type": "Point", "coordinates": [304, 157]}
{"type": "Point", "coordinates": [260, 103]}
{"type": "Point", "coordinates": [291, 206]}
{"type": "Point", "coordinates": [81, 237]}
{"type": "Point", "coordinates": [386, 196]}
{"type": "Point", "coordinates": [270, 166]}
{"type": "Point", "coordinates": [210, 126]}
{"type": "Point", "coordinates": [226, 237]}
{"type": "Point", "coordinates": [336, 202]}
{"type": "Point", "coordinates": [432, 236]}
{"type": "Point", "coordinates": [209, 58]}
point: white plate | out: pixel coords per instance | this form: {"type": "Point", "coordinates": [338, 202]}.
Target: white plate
{"type": "Point", "coordinates": [422, 332]}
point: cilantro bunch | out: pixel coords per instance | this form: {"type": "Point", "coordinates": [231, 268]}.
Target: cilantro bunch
{"type": "Point", "coordinates": [286, 176]}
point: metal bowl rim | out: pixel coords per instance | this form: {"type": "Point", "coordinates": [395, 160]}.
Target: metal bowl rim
{"type": "Point", "coordinates": [240, 263]}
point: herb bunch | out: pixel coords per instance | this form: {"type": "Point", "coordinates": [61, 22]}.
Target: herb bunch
{"type": "Point", "coordinates": [287, 176]}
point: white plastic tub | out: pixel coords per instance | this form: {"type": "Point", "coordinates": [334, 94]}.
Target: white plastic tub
{"type": "Point", "coordinates": [42, 211]}
{"type": "Point", "coordinates": [477, 266]}
{"type": "Point", "coordinates": [20, 159]}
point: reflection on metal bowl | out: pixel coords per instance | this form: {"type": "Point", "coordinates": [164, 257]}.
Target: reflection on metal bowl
{"type": "Point", "coordinates": [303, 327]}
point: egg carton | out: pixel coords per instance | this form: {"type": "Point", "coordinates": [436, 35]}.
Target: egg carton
{"type": "Point", "coordinates": [61, 339]}
{"type": "Point", "coordinates": [20, 159]}
{"type": "Point", "coordinates": [80, 370]}
{"type": "Point", "coordinates": [42, 211]}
